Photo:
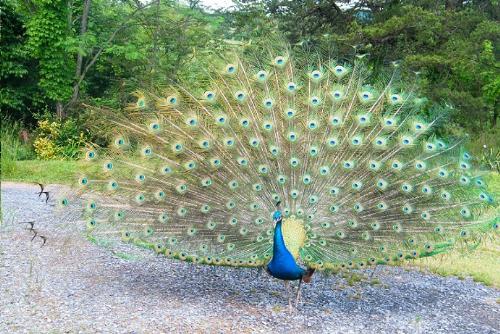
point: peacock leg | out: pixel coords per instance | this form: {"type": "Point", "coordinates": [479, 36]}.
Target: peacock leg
{"type": "Point", "coordinates": [287, 287]}
{"type": "Point", "coordinates": [298, 294]}
{"type": "Point", "coordinates": [373, 272]}
{"type": "Point", "coordinates": [259, 271]}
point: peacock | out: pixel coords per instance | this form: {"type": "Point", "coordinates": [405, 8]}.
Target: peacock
{"type": "Point", "coordinates": [285, 162]}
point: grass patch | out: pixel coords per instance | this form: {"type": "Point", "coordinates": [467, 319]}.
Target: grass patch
{"type": "Point", "coordinates": [50, 171]}
{"type": "Point", "coordinates": [493, 183]}
{"type": "Point", "coordinates": [482, 265]}
{"type": "Point", "coordinates": [12, 148]}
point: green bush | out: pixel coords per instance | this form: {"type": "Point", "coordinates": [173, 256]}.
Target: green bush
{"type": "Point", "coordinates": [13, 149]}
{"type": "Point", "coordinates": [60, 140]}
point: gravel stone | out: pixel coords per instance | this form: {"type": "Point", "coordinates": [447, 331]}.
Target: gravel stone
{"type": "Point", "coordinates": [71, 285]}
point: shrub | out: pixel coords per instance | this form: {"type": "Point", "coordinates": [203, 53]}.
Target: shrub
{"type": "Point", "coordinates": [57, 139]}
{"type": "Point", "coordinates": [12, 148]}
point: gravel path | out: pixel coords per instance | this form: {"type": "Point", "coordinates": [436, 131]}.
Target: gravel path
{"type": "Point", "coordinates": [71, 285]}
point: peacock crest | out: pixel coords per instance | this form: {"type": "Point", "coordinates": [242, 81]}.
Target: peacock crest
{"type": "Point", "coordinates": [194, 172]}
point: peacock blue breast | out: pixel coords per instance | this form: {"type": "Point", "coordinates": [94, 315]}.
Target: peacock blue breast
{"type": "Point", "coordinates": [283, 265]}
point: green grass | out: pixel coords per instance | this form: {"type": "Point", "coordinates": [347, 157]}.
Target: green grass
{"type": "Point", "coordinates": [493, 183]}
{"type": "Point", "coordinates": [51, 171]}
{"type": "Point", "coordinates": [482, 264]}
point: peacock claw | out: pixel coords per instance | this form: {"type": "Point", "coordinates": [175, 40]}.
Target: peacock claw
{"type": "Point", "coordinates": [47, 196]}
{"type": "Point", "coordinates": [41, 189]}
{"type": "Point", "coordinates": [44, 240]}
{"type": "Point", "coordinates": [31, 223]}
{"type": "Point", "coordinates": [35, 233]}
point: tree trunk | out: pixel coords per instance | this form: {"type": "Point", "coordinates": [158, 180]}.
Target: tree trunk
{"type": "Point", "coordinates": [79, 59]}
{"type": "Point", "coordinates": [452, 4]}
{"type": "Point", "coordinates": [60, 110]}
{"type": "Point", "coordinates": [496, 111]}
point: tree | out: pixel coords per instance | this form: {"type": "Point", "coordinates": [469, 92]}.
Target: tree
{"type": "Point", "coordinates": [48, 32]}
{"type": "Point", "coordinates": [59, 39]}
{"type": "Point", "coordinates": [20, 95]}
{"type": "Point", "coordinates": [454, 44]}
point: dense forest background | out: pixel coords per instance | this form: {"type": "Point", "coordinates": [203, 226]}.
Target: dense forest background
{"type": "Point", "coordinates": [59, 56]}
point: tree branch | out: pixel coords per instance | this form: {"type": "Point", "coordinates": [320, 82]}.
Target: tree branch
{"type": "Point", "coordinates": [79, 58]}
{"type": "Point", "coordinates": [91, 63]}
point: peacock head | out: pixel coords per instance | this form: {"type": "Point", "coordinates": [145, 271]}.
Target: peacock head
{"type": "Point", "coordinates": [277, 216]}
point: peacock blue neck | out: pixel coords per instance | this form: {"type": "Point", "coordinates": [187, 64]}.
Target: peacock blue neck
{"type": "Point", "coordinates": [283, 265]}
{"type": "Point", "coordinates": [279, 246]}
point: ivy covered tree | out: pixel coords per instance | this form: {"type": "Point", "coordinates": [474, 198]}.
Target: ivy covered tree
{"type": "Point", "coordinates": [20, 95]}
{"type": "Point", "coordinates": [63, 52]}
{"type": "Point", "coordinates": [48, 42]}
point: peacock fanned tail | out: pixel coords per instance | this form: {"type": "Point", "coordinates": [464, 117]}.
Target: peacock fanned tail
{"type": "Point", "coordinates": [195, 173]}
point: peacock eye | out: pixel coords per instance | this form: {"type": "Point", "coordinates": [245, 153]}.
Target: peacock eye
{"type": "Point", "coordinates": [316, 74]}
{"type": "Point", "coordinates": [262, 75]}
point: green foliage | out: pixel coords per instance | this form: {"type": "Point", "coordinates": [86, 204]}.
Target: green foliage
{"type": "Point", "coordinates": [491, 158]}
{"type": "Point", "coordinates": [13, 149]}
{"type": "Point", "coordinates": [124, 45]}
{"type": "Point", "coordinates": [454, 45]}
{"type": "Point", "coordinates": [47, 30]}
{"type": "Point", "coordinates": [19, 92]}
{"type": "Point", "coordinates": [56, 139]}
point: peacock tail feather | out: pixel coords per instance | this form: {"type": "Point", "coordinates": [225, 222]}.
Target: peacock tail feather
{"type": "Point", "coordinates": [195, 173]}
